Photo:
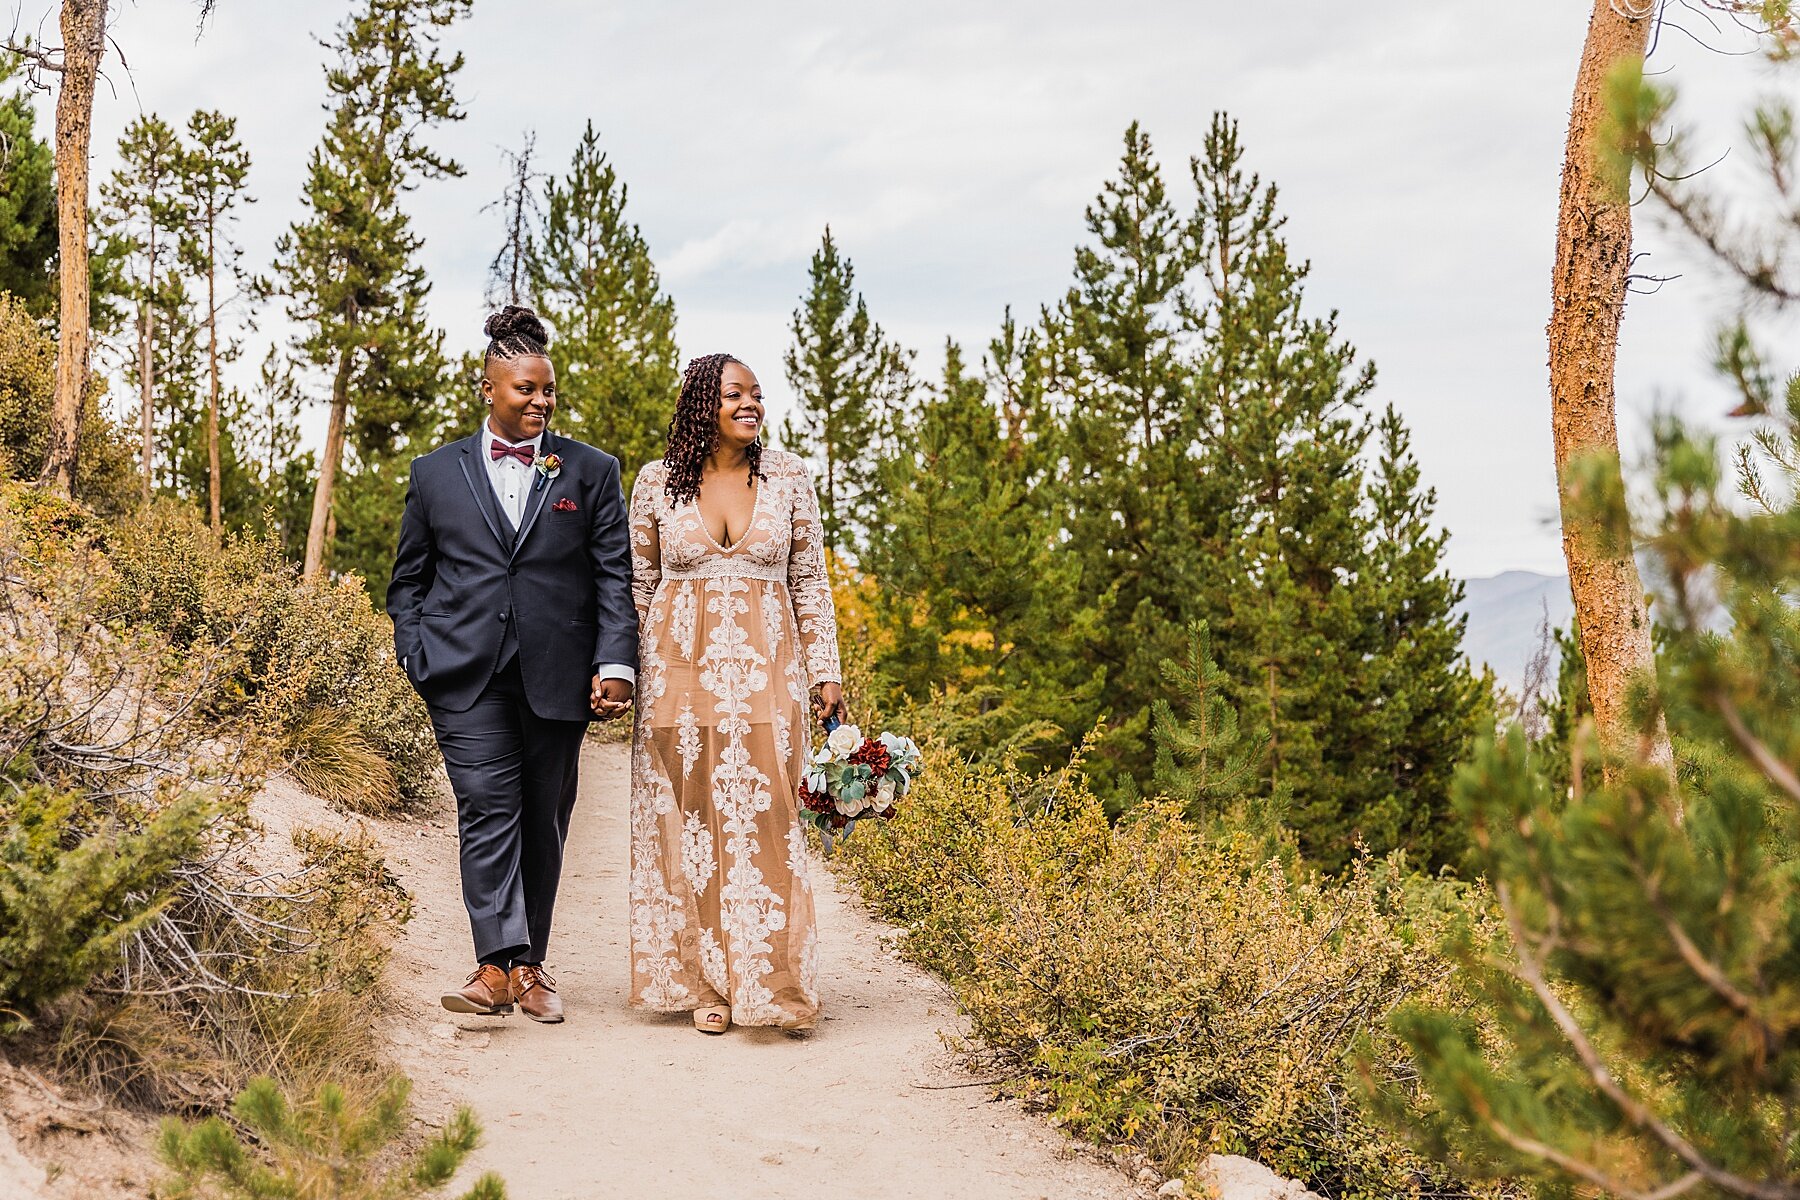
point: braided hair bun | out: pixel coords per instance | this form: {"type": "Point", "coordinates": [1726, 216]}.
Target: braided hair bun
{"type": "Point", "coordinates": [514, 331]}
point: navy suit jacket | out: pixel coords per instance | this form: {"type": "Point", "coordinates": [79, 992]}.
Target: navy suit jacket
{"type": "Point", "coordinates": [563, 585]}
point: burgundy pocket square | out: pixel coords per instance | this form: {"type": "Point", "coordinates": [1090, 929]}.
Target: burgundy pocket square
{"type": "Point", "coordinates": [563, 505]}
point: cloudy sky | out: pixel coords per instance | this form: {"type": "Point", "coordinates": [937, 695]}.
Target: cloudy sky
{"type": "Point", "coordinates": [953, 146]}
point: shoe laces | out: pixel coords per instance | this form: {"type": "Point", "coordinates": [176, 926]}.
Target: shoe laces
{"type": "Point", "coordinates": [530, 977]}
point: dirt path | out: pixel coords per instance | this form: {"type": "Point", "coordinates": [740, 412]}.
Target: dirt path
{"type": "Point", "coordinates": [617, 1103]}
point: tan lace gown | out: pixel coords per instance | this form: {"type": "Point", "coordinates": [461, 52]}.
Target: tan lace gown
{"type": "Point", "coordinates": [732, 639]}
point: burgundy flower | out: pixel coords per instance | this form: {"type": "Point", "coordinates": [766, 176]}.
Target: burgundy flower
{"type": "Point", "coordinates": [874, 755]}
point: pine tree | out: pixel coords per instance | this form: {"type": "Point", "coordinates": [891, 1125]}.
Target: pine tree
{"type": "Point", "coordinates": [27, 203]}
{"type": "Point", "coordinates": [348, 270]}
{"type": "Point", "coordinates": [970, 588]}
{"type": "Point", "coordinates": [213, 179]}
{"type": "Point", "coordinates": [146, 214]}
{"type": "Point", "coordinates": [1125, 484]}
{"type": "Point", "coordinates": [271, 453]}
{"type": "Point", "coordinates": [331, 1143]}
{"type": "Point", "coordinates": [848, 380]}
{"type": "Point", "coordinates": [1428, 703]}
{"type": "Point", "coordinates": [1297, 604]}
{"type": "Point", "coordinates": [1640, 1032]}
{"type": "Point", "coordinates": [1640, 1024]}
{"type": "Point", "coordinates": [1204, 756]}
{"type": "Point", "coordinates": [77, 67]}
{"type": "Point", "coordinates": [405, 385]}
{"type": "Point", "coordinates": [614, 326]}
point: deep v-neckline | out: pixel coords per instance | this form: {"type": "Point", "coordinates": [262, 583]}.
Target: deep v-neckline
{"type": "Point", "coordinates": [755, 507]}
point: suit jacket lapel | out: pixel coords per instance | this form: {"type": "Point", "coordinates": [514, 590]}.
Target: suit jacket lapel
{"type": "Point", "coordinates": [534, 502]}
{"type": "Point", "coordinates": [476, 473]}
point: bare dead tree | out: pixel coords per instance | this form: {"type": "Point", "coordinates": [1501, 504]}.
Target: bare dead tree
{"type": "Point", "coordinates": [1538, 683]}
{"type": "Point", "coordinates": [76, 64]}
{"type": "Point", "coordinates": [519, 203]}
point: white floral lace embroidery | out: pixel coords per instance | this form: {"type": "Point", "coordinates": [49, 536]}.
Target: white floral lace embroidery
{"type": "Point", "coordinates": [689, 745]}
{"type": "Point", "coordinates": [797, 856]}
{"type": "Point", "coordinates": [809, 967]}
{"type": "Point", "coordinates": [712, 963]}
{"type": "Point", "coordinates": [681, 619]}
{"type": "Point", "coordinates": [697, 853]}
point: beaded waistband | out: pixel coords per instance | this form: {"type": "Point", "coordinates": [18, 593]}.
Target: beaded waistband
{"type": "Point", "coordinates": [730, 569]}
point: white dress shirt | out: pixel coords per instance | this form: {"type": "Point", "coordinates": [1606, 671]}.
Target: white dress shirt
{"type": "Point", "coordinates": [511, 478]}
{"type": "Point", "coordinates": [512, 481]}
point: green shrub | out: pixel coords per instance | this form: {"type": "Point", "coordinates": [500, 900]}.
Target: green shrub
{"type": "Point", "coordinates": [77, 883]}
{"type": "Point", "coordinates": [107, 478]}
{"type": "Point", "coordinates": [328, 1146]}
{"type": "Point", "coordinates": [317, 661]}
{"type": "Point", "coordinates": [127, 763]}
{"type": "Point", "coordinates": [1160, 985]}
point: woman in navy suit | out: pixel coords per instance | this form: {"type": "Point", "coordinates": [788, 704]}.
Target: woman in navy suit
{"type": "Point", "coordinates": [513, 617]}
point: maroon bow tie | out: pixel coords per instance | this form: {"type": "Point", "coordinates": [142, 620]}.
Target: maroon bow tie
{"type": "Point", "coordinates": [500, 450]}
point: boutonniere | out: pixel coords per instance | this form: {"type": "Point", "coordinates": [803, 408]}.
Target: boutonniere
{"type": "Point", "coordinates": [549, 466]}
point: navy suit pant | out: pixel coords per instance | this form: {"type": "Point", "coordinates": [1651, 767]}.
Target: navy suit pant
{"type": "Point", "coordinates": [514, 776]}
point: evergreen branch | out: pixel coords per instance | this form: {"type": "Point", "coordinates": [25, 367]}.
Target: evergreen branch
{"type": "Point", "coordinates": [1759, 276]}
{"type": "Point", "coordinates": [1584, 1170]}
{"type": "Point", "coordinates": [1778, 772]}
{"type": "Point", "coordinates": [1710, 973]}
{"type": "Point", "coordinates": [1529, 970]}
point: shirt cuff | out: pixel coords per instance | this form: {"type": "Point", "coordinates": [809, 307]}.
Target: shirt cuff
{"type": "Point", "coordinates": [617, 671]}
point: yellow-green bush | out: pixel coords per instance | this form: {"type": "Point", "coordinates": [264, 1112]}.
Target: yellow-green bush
{"type": "Point", "coordinates": [1157, 985]}
{"type": "Point", "coordinates": [107, 479]}
{"type": "Point", "coordinates": [318, 664]}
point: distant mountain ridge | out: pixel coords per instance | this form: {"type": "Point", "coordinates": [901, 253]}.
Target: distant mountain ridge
{"type": "Point", "coordinates": [1504, 613]}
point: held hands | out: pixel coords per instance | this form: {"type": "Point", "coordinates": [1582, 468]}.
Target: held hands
{"type": "Point", "coordinates": [828, 702]}
{"type": "Point", "coordinates": [610, 698]}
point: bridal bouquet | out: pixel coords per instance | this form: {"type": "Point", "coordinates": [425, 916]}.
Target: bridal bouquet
{"type": "Point", "coordinates": [851, 777]}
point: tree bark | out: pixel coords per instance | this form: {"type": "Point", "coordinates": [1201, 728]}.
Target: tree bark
{"type": "Point", "coordinates": [84, 41]}
{"type": "Point", "coordinates": [146, 414]}
{"type": "Point", "coordinates": [212, 365]}
{"type": "Point", "coordinates": [318, 532]}
{"type": "Point", "coordinates": [1593, 257]}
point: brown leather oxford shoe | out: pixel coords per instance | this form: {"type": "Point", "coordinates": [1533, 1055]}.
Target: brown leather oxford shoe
{"type": "Point", "coordinates": [487, 994]}
{"type": "Point", "coordinates": [536, 995]}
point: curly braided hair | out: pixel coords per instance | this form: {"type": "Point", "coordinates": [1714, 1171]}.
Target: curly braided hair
{"type": "Point", "coordinates": [694, 430]}
{"type": "Point", "coordinates": [516, 332]}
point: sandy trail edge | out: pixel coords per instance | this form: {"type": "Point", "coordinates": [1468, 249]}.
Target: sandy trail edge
{"type": "Point", "coordinates": [621, 1103]}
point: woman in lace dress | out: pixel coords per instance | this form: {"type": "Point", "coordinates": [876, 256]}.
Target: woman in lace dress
{"type": "Point", "coordinates": [736, 626]}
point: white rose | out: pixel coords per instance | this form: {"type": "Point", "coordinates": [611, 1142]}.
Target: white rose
{"type": "Point", "coordinates": [848, 808]}
{"type": "Point", "coordinates": [844, 739]}
{"type": "Point", "coordinates": [884, 794]}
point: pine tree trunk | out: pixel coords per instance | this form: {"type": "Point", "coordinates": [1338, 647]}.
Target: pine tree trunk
{"type": "Point", "coordinates": [147, 414]}
{"type": "Point", "coordinates": [84, 40]}
{"type": "Point", "coordinates": [1593, 257]}
{"type": "Point", "coordinates": [212, 362]}
{"type": "Point", "coordinates": [318, 533]}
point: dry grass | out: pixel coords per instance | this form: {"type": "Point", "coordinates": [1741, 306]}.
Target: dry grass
{"type": "Point", "coordinates": [332, 758]}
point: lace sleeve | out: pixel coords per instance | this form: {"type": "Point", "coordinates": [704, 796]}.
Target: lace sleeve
{"type": "Point", "coordinates": [809, 584]}
{"type": "Point", "coordinates": [646, 543]}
